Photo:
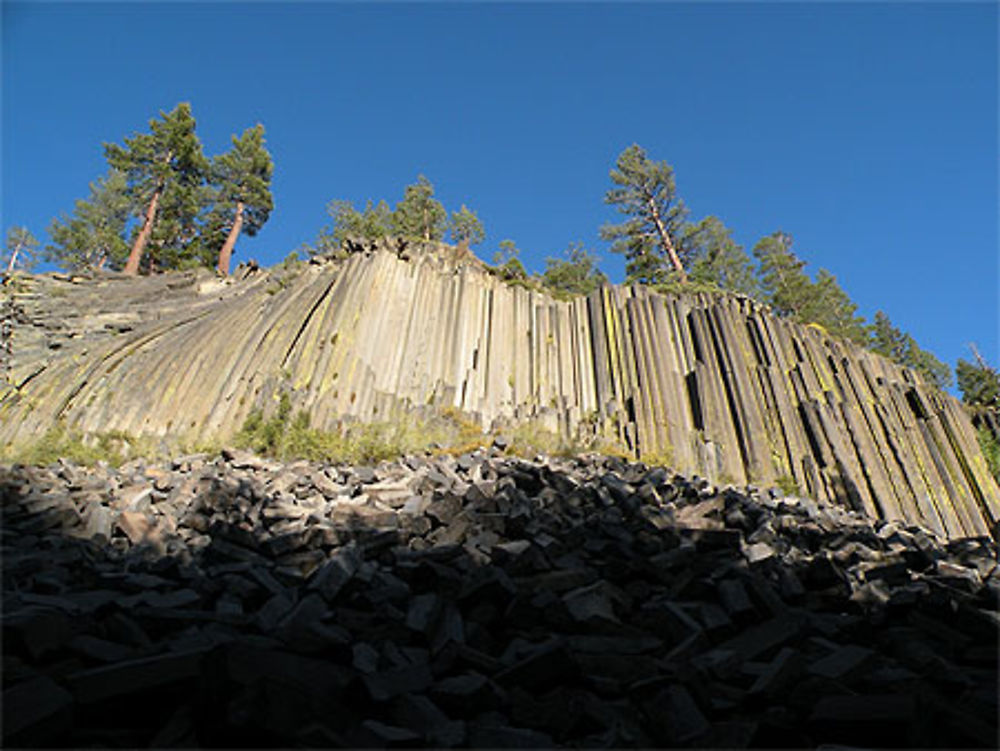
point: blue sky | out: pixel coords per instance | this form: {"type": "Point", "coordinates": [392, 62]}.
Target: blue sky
{"type": "Point", "coordinates": [867, 131]}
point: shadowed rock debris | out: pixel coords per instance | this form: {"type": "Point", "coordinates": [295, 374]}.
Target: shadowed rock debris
{"type": "Point", "coordinates": [479, 601]}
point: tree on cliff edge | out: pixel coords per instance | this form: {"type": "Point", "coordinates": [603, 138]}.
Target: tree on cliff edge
{"type": "Point", "coordinates": [157, 164]}
{"type": "Point", "coordinates": [719, 260]}
{"type": "Point", "coordinates": [93, 235]}
{"type": "Point", "coordinates": [645, 192]}
{"type": "Point", "coordinates": [979, 382]}
{"type": "Point", "coordinates": [465, 227]}
{"type": "Point", "coordinates": [889, 341]}
{"type": "Point", "coordinates": [21, 245]}
{"type": "Point", "coordinates": [576, 273]}
{"type": "Point", "coordinates": [371, 223]}
{"type": "Point", "coordinates": [419, 214]}
{"type": "Point", "coordinates": [785, 284]}
{"type": "Point", "coordinates": [243, 179]}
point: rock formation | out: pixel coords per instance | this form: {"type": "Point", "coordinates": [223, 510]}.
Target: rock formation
{"type": "Point", "coordinates": [479, 601]}
{"type": "Point", "coordinates": [713, 385]}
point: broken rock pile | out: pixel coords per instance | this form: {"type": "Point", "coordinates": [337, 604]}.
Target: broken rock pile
{"type": "Point", "coordinates": [479, 601]}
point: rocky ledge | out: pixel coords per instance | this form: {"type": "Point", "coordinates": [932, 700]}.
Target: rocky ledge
{"type": "Point", "coordinates": [481, 601]}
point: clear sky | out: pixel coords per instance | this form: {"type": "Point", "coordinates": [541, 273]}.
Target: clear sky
{"type": "Point", "coordinates": [867, 131]}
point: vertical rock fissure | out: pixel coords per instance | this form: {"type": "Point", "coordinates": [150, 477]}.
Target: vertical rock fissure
{"type": "Point", "coordinates": [726, 371]}
{"type": "Point", "coordinates": [306, 320]}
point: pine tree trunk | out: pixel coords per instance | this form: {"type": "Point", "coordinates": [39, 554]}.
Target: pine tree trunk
{"type": "Point", "coordinates": [132, 265]}
{"type": "Point", "coordinates": [13, 260]}
{"type": "Point", "coordinates": [668, 243]}
{"type": "Point", "coordinates": [226, 254]}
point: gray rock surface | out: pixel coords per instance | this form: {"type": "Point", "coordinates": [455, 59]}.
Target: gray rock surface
{"type": "Point", "coordinates": [541, 611]}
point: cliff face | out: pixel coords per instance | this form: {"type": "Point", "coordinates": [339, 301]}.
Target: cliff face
{"type": "Point", "coordinates": [709, 385]}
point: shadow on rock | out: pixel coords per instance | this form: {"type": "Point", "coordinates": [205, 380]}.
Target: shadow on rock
{"type": "Point", "coordinates": [478, 601]}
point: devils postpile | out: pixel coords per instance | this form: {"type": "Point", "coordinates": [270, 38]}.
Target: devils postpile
{"type": "Point", "coordinates": [785, 544]}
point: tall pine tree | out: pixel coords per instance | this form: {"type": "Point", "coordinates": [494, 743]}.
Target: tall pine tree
{"type": "Point", "coordinates": [163, 166]}
{"type": "Point", "coordinates": [21, 245]}
{"type": "Point", "coordinates": [979, 382]}
{"type": "Point", "coordinates": [719, 260]}
{"type": "Point", "coordinates": [831, 307]}
{"type": "Point", "coordinates": [465, 227]}
{"type": "Point", "coordinates": [242, 177]}
{"type": "Point", "coordinates": [576, 273]}
{"type": "Point", "coordinates": [419, 215]}
{"type": "Point", "coordinates": [645, 192]}
{"type": "Point", "coordinates": [784, 282]}
{"type": "Point", "coordinates": [371, 223]}
{"type": "Point", "coordinates": [94, 235]}
{"type": "Point", "coordinates": [889, 341]}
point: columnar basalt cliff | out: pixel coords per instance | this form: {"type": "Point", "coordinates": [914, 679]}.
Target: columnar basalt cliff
{"type": "Point", "coordinates": [712, 385]}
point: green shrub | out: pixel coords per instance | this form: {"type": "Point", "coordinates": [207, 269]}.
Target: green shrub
{"type": "Point", "coordinates": [990, 447]}
{"type": "Point", "coordinates": [787, 485]}
{"type": "Point", "coordinates": [60, 442]}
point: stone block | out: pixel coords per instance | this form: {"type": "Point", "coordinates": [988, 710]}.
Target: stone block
{"type": "Point", "coordinates": [865, 720]}
{"type": "Point", "coordinates": [674, 717]}
{"type": "Point", "coordinates": [35, 630]}
{"type": "Point", "coordinates": [129, 677]}
{"type": "Point", "coordinates": [36, 713]}
{"type": "Point", "coordinates": [385, 685]}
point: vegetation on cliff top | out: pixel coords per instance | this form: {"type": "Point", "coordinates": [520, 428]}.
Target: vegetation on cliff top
{"type": "Point", "coordinates": [980, 387]}
{"type": "Point", "coordinates": [164, 204]}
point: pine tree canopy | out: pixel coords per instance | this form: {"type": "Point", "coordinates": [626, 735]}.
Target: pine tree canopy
{"type": "Point", "coordinates": [20, 249]}
{"type": "Point", "coordinates": [169, 153]}
{"type": "Point", "coordinates": [419, 215]}
{"type": "Point", "coordinates": [574, 274]}
{"type": "Point", "coordinates": [888, 341]}
{"type": "Point", "coordinates": [508, 262]}
{"type": "Point", "coordinates": [785, 284]}
{"type": "Point", "coordinates": [829, 306]}
{"type": "Point", "coordinates": [645, 192]}
{"type": "Point", "coordinates": [465, 227]}
{"type": "Point", "coordinates": [166, 172]}
{"type": "Point", "coordinates": [979, 383]}
{"type": "Point", "coordinates": [717, 259]}
{"type": "Point", "coordinates": [243, 176]}
{"type": "Point", "coordinates": [94, 234]}
{"type": "Point", "coordinates": [373, 222]}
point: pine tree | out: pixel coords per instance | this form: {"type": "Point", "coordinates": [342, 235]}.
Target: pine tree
{"type": "Point", "coordinates": [242, 177]}
{"type": "Point", "coordinates": [465, 227]}
{"type": "Point", "coordinates": [785, 284]}
{"type": "Point", "coordinates": [645, 192]}
{"type": "Point", "coordinates": [889, 341]}
{"type": "Point", "coordinates": [978, 382]}
{"type": "Point", "coordinates": [373, 222]}
{"type": "Point", "coordinates": [157, 165]}
{"type": "Point", "coordinates": [574, 274]}
{"type": "Point", "coordinates": [183, 229]}
{"type": "Point", "coordinates": [831, 307]}
{"type": "Point", "coordinates": [719, 260]}
{"type": "Point", "coordinates": [933, 370]}
{"type": "Point", "coordinates": [93, 237]}
{"type": "Point", "coordinates": [508, 262]}
{"type": "Point", "coordinates": [21, 246]}
{"type": "Point", "coordinates": [885, 339]}
{"type": "Point", "coordinates": [419, 215]}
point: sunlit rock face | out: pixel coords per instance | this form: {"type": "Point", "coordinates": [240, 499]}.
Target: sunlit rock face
{"type": "Point", "coordinates": [709, 385]}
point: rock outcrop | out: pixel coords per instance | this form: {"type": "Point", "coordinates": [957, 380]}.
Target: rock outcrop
{"type": "Point", "coordinates": [712, 385]}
